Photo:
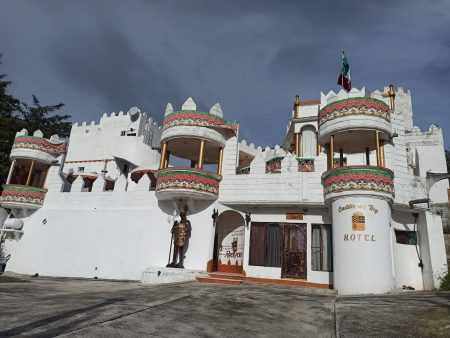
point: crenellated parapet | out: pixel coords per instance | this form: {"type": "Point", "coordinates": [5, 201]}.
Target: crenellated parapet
{"type": "Point", "coordinates": [37, 147]}
{"type": "Point", "coordinates": [191, 123]}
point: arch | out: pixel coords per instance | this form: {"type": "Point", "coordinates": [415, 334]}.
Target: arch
{"type": "Point", "coordinates": [229, 243]}
{"type": "Point", "coordinates": [309, 141]}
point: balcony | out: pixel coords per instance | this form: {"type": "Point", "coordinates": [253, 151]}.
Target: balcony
{"type": "Point", "coordinates": [175, 183]}
{"type": "Point", "coordinates": [20, 196]}
{"type": "Point", "coordinates": [365, 180]}
{"type": "Point", "coordinates": [350, 119]}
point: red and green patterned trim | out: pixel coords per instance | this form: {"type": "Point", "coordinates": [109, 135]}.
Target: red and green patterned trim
{"type": "Point", "coordinates": [39, 143]}
{"type": "Point", "coordinates": [199, 119]}
{"type": "Point", "coordinates": [181, 178]}
{"type": "Point", "coordinates": [22, 194]}
{"type": "Point", "coordinates": [354, 106]}
{"type": "Point", "coordinates": [359, 178]}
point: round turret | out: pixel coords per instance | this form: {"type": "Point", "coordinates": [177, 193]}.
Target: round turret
{"type": "Point", "coordinates": [359, 195]}
{"type": "Point", "coordinates": [196, 136]}
{"type": "Point", "coordinates": [31, 158]}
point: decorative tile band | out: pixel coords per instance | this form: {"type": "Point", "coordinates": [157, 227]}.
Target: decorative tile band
{"type": "Point", "coordinates": [22, 194]}
{"type": "Point", "coordinates": [359, 178]}
{"type": "Point", "coordinates": [182, 178]}
{"type": "Point", "coordinates": [354, 106]}
{"type": "Point", "coordinates": [199, 119]}
{"type": "Point", "coordinates": [39, 143]}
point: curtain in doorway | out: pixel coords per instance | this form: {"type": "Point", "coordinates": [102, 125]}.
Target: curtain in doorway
{"type": "Point", "coordinates": [274, 245]}
{"type": "Point", "coordinates": [309, 142]}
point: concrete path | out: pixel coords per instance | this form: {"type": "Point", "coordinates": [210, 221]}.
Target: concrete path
{"type": "Point", "coordinates": [80, 308]}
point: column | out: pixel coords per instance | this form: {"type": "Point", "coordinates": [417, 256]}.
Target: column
{"type": "Point", "coordinates": [166, 162]}
{"type": "Point", "coordinates": [331, 154]}
{"type": "Point", "coordinates": [341, 157]}
{"type": "Point", "coordinates": [367, 156]}
{"type": "Point", "coordinates": [163, 155]}
{"type": "Point", "coordinates": [30, 173]}
{"type": "Point", "coordinates": [201, 154]}
{"type": "Point", "coordinates": [319, 148]}
{"type": "Point", "coordinates": [382, 154]}
{"type": "Point", "coordinates": [11, 171]}
{"type": "Point", "coordinates": [298, 143]}
{"type": "Point", "coordinates": [219, 166]}
{"type": "Point", "coordinates": [377, 145]}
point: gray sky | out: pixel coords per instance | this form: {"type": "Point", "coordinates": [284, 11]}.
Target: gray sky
{"type": "Point", "coordinates": [251, 56]}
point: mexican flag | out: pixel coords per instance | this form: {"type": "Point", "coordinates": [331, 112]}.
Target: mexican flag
{"type": "Point", "coordinates": [344, 79]}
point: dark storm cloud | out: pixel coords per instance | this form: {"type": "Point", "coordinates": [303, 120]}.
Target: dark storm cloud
{"type": "Point", "coordinates": [251, 56]}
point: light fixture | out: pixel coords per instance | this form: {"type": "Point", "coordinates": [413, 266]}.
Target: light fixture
{"type": "Point", "coordinates": [215, 216]}
{"type": "Point", "coordinates": [248, 218]}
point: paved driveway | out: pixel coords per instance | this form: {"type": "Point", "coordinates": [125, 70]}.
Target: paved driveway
{"type": "Point", "coordinates": [80, 308]}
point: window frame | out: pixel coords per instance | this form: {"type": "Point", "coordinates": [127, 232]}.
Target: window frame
{"type": "Point", "coordinates": [321, 250]}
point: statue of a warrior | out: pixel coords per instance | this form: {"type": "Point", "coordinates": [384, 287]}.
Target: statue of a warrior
{"type": "Point", "coordinates": [180, 234]}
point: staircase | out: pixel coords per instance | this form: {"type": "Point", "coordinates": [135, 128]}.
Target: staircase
{"type": "Point", "coordinates": [222, 278]}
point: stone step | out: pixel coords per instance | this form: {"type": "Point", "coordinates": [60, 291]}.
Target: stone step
{"type": "Point", "coordinates": [212, 280]}
{"type": "Point", "coordinates": [221, 275]}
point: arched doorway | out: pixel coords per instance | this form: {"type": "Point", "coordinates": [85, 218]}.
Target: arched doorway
{"type": "Point", "coordinates": [229, 243]}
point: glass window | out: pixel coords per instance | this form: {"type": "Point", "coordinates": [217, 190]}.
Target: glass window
{"type": "Point", "coordinates": [321, 249]}
{"type": "Point", "coordinates": [406, 237]}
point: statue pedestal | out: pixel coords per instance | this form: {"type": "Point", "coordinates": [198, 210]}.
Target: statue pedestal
{"type": "Point", "coordinates": [160, 275]}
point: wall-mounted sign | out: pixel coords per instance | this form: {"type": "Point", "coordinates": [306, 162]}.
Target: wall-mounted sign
{"type": "Point", "coordinates": [358, 221]}
{"type": "Point", "coordinates": [294, 216]}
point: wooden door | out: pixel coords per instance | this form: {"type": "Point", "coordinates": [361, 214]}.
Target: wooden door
{"type": "Point", "coordinates": [293, 248]}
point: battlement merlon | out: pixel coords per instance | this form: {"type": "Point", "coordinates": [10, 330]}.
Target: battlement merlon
{"type": "Point", "coordinates": [132, 123]}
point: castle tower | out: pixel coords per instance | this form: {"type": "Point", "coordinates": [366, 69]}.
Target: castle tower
{"type": "Point", "coordinates": [31, 158]}
{"type": "Point", "coordinates": [196, 136]}
{"type": "Point", "coordinates": [360, 196]}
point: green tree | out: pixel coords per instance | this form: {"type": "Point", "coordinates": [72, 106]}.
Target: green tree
{"type": "Point", "coordinates": [16, 115]}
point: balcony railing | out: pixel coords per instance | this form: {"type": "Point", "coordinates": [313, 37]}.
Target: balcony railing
{"type": "Point", "coordinates": [22, 196]}
{"type": "Point", "coordinates": [171, 182]}
{"type": "Point", "coordinates": [354, 106]}
{"type": "Point", "coordinates": [359, 178]}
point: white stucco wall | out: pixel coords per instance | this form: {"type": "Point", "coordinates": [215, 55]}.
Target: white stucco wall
{"type": "Point", "coordinates": [119, 233]}
{"type": "Point", "coordinates": [406, 269]}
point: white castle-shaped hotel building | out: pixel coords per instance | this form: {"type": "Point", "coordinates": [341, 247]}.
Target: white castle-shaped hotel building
{"type": "Point", "coordinates": [349, 201]}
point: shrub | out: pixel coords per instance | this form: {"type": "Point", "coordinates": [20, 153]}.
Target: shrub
{"type": "Point", "coordinates": [445, 282]}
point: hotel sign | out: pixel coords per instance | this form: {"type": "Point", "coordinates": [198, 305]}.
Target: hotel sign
{"type": "Point", "coordinates": [294, 216]}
